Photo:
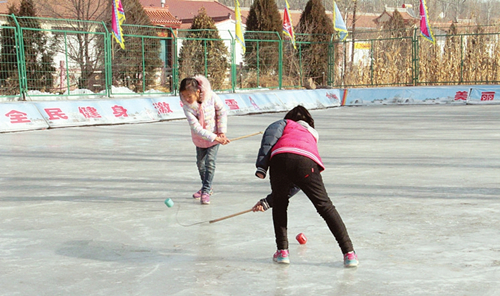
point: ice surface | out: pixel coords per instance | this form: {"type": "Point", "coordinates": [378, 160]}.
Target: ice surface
{"type": "Point", "coordinates": [82, 209]}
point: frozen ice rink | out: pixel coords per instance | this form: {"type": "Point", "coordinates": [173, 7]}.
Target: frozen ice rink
{"type": "Point", "coordinates": [82, 209]}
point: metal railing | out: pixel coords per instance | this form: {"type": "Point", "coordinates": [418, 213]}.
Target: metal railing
{"type": "Point", "coordinates": [44, 57]}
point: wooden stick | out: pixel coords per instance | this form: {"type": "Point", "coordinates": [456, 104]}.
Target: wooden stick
{"type": "Point", "coordinates": [242, 137]}
{"type": "Point", "coordinates": [230, 216]}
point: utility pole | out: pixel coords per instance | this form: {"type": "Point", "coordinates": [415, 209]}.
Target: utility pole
{"type": "Point", "coordinates": [353, 29]}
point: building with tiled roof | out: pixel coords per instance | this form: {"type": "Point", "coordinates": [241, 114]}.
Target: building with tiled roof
{"type": "Point", "coordinates": [161, 16]}
{"type": "Point", "coordinates": [4, 6]}
{"type": "Point", "coordinates": [407, 14]}
{"type": "Point", "coordinates": [186, 10]}
{"type": "Point", "coordinates": [364, 21]}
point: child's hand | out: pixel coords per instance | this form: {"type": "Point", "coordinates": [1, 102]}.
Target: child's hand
{"type": "Point", "coordinates": [258, 207]}
{"type": "Point", "coordinates": [222, 139]}
{"type": "Point", "coordinates": [260, 175]}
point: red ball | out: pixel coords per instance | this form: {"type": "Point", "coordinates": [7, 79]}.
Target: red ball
{"type": "Point", "coordinates": [301, 238]}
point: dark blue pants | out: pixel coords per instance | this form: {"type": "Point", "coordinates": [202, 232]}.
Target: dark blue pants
{"type": "Point", "coordinates": [205, 161]}
{"type": "Point", "coordinates": [288, 169]}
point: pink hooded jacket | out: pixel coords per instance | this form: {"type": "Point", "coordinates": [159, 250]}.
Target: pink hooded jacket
{"type": "Point", "coordinates": [208, 118]}
{"type": "Point", "coordinates": [299, 138]}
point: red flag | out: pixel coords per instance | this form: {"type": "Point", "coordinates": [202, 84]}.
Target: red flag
{"type": "Point", "coordinates": [287, 24]}
{"type": "Point", "coordinates": [425, 27]}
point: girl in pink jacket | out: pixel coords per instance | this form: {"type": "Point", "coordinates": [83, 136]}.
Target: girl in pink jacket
{"type": "Point", "coordinates": [207, 117]}
{"type": "Point", "coordinates": [289, 149]}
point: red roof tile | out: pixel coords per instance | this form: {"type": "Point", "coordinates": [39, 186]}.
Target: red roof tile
{"type": "Point", "coordinates": [408, 17]}
{"type": "Point", "coordinates": [363, 21]}
{"type": "Point", "coordinates": [161, 16]}
{"type": "Point", "coordinates": [185, 11]}
{"type": "Point", "coordinates": [5, 5]}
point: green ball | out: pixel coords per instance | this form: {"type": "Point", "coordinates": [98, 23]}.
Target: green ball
{"type": "Point", "coordinates": [169, 202]}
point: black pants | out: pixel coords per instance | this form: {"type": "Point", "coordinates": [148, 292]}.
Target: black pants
{"type": "Point", "coordinates": [288, 169]}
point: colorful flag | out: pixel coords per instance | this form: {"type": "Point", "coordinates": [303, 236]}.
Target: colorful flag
{"type": "Point", "coordinates": [287, 24]}
{"type": "Point", "coordinates": [117, 19]}
{"type": "Point", "coordinates": [239, 32]}
{"type": "Point", "coordinates": [425, 27]}
{"type": "Point", "coordinates": [338, 23]}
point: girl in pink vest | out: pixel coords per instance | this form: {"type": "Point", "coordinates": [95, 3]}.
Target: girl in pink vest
{"type": "Point", "coordinates": [289, 149]}
{"type": "Point", "coordinates": [207, 117]}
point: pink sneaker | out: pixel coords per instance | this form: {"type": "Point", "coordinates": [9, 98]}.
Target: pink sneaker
{"type": "Point", "coordinates": [281, 256]}
{"type": "Point", "coordinates": [205, 199]}
{"type": "Point", "coordinates": [197, 195]}
{"type": "Point", "coordinates": [351, 259]}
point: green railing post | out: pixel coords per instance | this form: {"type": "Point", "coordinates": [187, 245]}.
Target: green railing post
{"type": "Point", "coordinates": [331, 62]}
{"type": "Point", "coordinates": [234, 69]}
{"type": "Point", "coordinates": [21, 62]}
{"type": "Point", "coordinates": [205, 57]}
{"type": "Point", "coordinates": [415, 58]}
{"type": "Point", "coordinates": [258, 67]}
{"type": "Point", "coordinates": [107, 61]}
{"type": "Point", "coordinates": [280, 62]}
{"type": "Point", "coordinates": [301, 70]}
{"type": "Point", "coordinates": [461, 59]}
{"type": "Point", "coordinates": [175, 68]}
{"type": "Point", "coordinates": [68, 85]}
{"type": "Point", "coordinates": [143, 66]}
{"type": "Point", "coordinates": [371, 62]}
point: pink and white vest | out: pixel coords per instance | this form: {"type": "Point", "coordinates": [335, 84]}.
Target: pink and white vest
{"type": "Point", "coordinates": [297, 139]}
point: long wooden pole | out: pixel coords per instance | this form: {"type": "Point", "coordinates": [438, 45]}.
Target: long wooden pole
{"type": "Point", "coordinates": [247, 136]}
{"type": "Point", "coordinates": [230, 216]}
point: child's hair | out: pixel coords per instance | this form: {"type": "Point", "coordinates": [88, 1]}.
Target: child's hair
{"type": "Point", "coordinates": [189, 84]}
{"type": "Point", "coordinates": [300, 113]}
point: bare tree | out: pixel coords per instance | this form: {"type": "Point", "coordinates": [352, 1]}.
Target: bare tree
{"type": "Point", "coordinates": [453, 9]}
{"type": "Point", "coordinates": [75, 9]}
{"type": "Point", "coordinates": [84, 46]}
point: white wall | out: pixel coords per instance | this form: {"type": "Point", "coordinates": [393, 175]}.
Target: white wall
{"type": "Point", "coordinates": [227, 32]}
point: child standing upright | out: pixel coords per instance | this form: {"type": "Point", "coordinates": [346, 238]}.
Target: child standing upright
{"type": "Point", "coordinates": [207, 117]}
{"type": "Point", "coordinates": [289, 149]}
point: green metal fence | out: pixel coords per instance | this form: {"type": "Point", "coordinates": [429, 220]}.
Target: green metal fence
{"type": "Point", "coordinates": [464, 55]}
{"type": "Point", "coordinates": [43, 57]}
